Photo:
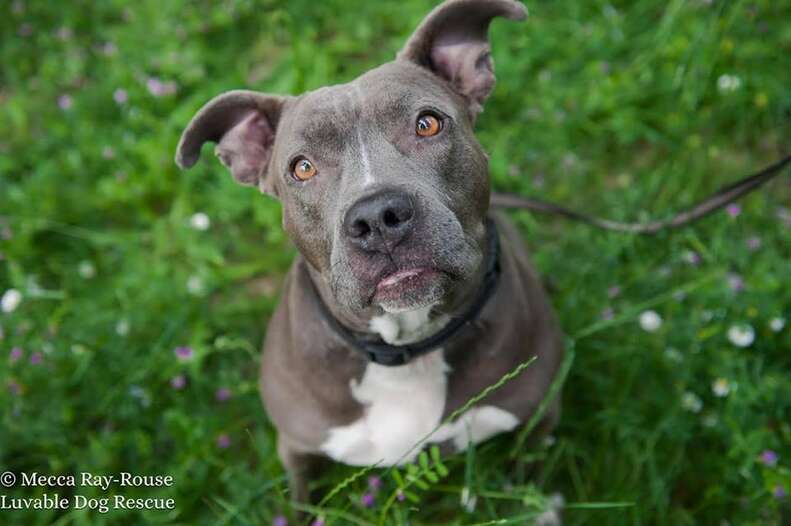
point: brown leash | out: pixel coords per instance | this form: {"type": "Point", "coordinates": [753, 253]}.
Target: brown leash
{"type": "Point", "coordinates": [718, 200]}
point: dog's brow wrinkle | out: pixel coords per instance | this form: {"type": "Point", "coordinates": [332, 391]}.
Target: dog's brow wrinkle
{"type": "Point", "coordinates": [395, 108]}
{"type": "Point", "coordinates": [322, 130]}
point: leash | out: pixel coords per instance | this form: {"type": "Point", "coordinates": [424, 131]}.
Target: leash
{"type": "Point", "coordinates": [714, 202]}
{"type": "Point", "coordinates": [380, 352]}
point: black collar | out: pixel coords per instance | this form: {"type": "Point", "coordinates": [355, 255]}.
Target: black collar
{"type": "Point", "coordinates": [380, 352]}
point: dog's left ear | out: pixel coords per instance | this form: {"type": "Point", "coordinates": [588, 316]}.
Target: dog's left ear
{"type": "Point", "coordinates": [452, 41]}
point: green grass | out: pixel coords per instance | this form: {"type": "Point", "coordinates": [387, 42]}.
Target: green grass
{"type": "Point", "coordinates": [628, 110]}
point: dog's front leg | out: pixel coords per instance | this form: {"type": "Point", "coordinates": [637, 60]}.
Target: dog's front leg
{"type": "Point", "coordinates": [300, 467]}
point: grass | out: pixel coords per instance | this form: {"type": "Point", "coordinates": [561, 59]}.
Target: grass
{"type": "Point", "coordinates": [626, 109]}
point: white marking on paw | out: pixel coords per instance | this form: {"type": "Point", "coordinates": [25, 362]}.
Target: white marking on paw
{"type": "Point", "coordinates": [476, 425]}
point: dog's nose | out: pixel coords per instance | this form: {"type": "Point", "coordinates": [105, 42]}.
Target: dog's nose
{"type": "Point", "coordinates": [379, 222]}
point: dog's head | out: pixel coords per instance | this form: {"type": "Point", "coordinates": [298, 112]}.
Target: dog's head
{"type": "Point", "coordinates": [383, 185]}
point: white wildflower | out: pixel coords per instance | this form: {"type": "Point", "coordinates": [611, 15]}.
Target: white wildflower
{"type": "Point", "coordinates": [468, 500]}
{"type": "Point", "coordinates": [86, 269]}
{"type": "Point", "coordinates": [741, 335]}
{"type": "Point", "coordinates": [195, 286]}
{"type": "Point", "coordinates": [691, 402]}
{"type": "Point", "coordinates": [122, 327]}
{"type": "Point", "coordinates": [721, 387]}
{"type": "Point", "coordinates": [551, 516]}
{"type": "Point", "coordinates": [200, 221]}
{"type": "Point", "coordinates": [650, 321]}
{"type": "Point", "coordinates": [728, 83]}
{"type": "Point", "coordinates": [11, 300]}
{"type": "Point", "coordinates": [777, 324]}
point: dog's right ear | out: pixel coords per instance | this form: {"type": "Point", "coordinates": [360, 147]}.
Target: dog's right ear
{"type": "Point", "coordinates": [243, 125]}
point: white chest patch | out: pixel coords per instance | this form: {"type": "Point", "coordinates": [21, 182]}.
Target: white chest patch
{"type": "Point", "coordinates": [404, 404]}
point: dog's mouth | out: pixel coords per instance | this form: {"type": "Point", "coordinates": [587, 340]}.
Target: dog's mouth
{"type": "Point", "coordinates": [409, 286]}
{"type": "Point", "coordinates": [403, 279]}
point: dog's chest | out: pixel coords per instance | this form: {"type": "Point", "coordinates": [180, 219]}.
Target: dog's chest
{"type": "Point", "coordinates": [402, 405]}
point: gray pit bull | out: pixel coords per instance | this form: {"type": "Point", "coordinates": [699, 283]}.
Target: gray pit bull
{"type": "Point", "coordinates": [385, 192]}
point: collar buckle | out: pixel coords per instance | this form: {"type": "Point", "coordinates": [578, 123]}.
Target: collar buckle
{"type": "Point", "coordinates": [389, 358]}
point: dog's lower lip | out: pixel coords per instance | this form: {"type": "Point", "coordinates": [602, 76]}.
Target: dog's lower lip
{"type": "Point", "coordinates": [402, 277]}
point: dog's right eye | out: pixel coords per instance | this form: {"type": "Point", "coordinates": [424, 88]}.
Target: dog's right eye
{"type": "Point", "coordinates": [302, 169]}
{"type": "Point", "coordinates": [428, 125]}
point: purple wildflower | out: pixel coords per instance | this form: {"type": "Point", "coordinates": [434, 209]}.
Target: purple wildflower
{"type": "Point", "coordinates": [692, 257]}
{"type": "Point", "coordinates": [178, 382]}
{"type": "Point", "coordinates": [183, 353]}
{"type": "Point", "coordinates": [120, 96]}
{"type": "Point", "coordinates": [223, 441]}
{"type": "Point", "coordinates": [108, 152]}
{"type": "Point", "coordinates": [65, 102]}
{"type": "Point", "coordinates": [158, 88]}
{"type": "Point", "coordinates": [735, 282]}
{"type": "Point", "coordinates": [25, 30]}
{"type": "Point", "coordinates": [400, 495]}
{"type": "Point", "coordinates": [367, 500]}
{"type": "Point", "coordinates": [779, 492]}
{"type": "Point", "coordinates": [16, 354]}
{"type": "Point", "coordinates": [154, 85]}
{"type": "Point", "coordinates": [753, 243]}
{"type": "Point", "coordinates": [14, 387]}
{"type": "Point", "coordinates": [109, 49]}
{"type": "Point", "coordinates": [733, 210]}
{"type": "Point", "coordinates": [36, 358]}
{"type": "Point", "coordinates": [784, 215]}
{"type": "Point", "coordinates": [768, 458]}
{"type": "Point", "coordinates": [375, 483]}
{"type": "Point", "coordinates": [64, 33]}
{"type": "Point", "coordinates": [279, 521]}
{"type": "Point", "coordinates": [607, 314]}
{"type": "Point", "coordinates": [222, 394]}
{"type": "Point", "coordinates": [317, 522]}
{"type": "Point", "coordinates": [614, 291]}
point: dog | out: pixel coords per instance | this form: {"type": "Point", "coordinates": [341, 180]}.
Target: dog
{"type": "Point", "coordinates": [409, 296]}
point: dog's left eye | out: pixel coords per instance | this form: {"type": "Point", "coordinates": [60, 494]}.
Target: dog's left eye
{"type": "Point", "coordinates": [302, 169]}
{"type": "Point", "coordinates": [428, 125]}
